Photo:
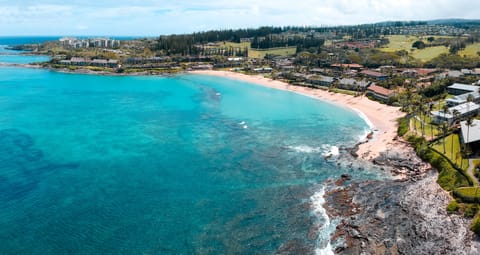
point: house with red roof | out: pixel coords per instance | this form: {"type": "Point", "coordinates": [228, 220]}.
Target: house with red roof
{"type": "Point", "coordinates": [380, 93]}
{"type": "Point", "coordinates": [374, 74]}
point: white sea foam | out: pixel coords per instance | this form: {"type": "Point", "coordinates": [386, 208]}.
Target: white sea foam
{"type": "Point", "coordinates": [305, 149]}
{"type": "Point", "coordinates": [330, 150]}
{"type": "Point", "coordinates": [324, 150]}
{"type": "Point", "coordinates": [245, 126]}
{"type": "Point", "coordinates": [241, 123]}
{"type": "Point", "coordinates": [324, 246]}
{"type": "Point", "coordinates": [371, 127]}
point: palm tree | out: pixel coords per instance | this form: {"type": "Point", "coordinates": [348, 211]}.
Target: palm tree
{"type": "Point", "coordinates": [469, 99]}
{"type": "Point", "coordinates": [469, 123]}
{"type": "Point", "coordinates": [446, 111]}
{"type": "Point", "coordinates": [431, 125]}
{"type": "Point", "coordinates": [455, 113]}
{"type": "Point", "coordinates": [444, 128]}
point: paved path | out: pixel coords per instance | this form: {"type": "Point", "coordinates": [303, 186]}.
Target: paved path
{"type": "Point", "coordinates": [471, 165]}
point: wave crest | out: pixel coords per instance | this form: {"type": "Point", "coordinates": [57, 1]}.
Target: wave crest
{"type": "Point", "coordinates": [324, 247]}
{"type": "Point", "coordinates": [325, 150]}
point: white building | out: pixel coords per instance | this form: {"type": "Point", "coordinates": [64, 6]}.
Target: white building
{"type": "Point", "coordinates": [464, 110]}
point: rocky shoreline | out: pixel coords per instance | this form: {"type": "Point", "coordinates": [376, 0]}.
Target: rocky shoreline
{"type": "Point", "coordinates": [406, 215]}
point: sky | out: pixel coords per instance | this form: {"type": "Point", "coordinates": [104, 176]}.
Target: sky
{"type": "Point", "coordinates": [158, 17]}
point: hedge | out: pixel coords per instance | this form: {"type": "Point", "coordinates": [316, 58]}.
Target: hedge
{"type": "Point", "coordinates": [449, 177]}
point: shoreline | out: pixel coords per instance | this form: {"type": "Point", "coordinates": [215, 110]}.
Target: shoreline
{"type": "Point", "coordinates": [382, 119]}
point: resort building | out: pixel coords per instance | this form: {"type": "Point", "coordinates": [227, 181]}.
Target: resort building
{"type": "Point", "coordinates": [352, 84]}
{"type": "Point", "coordinates": [459, 89]}
{"type": "Point", "coordinates": [105, 62]}
{"type": "Point", "coordinates": [470, 135]}
{"type": "Point", "coordinates": [321, 80]}
{"type": "Point", "coordinates": [464, 110]}
{"type": "Point", "coordinates": [374, 74]}
{"type": "Point", "coordinates": [347, 66]}
{"type": "Point", "coordinates": [380, 93]}
{"type": "Point", "coordinates": [463, 98]}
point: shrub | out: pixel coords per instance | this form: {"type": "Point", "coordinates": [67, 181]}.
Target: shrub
{"type": "Point", "coordinates": [471, 210]}
{"type": "Point", "coordinates": [475, 227]}
{"type": "Point", "coordinates": [403, 126]}
{"type": "Point", "coordinates": [448, 178]}
{"type": "Point", "coordinates": [452, 206]}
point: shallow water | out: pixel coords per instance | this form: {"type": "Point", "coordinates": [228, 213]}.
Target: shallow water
{"type": "Point", "coordinates": [154, 165]}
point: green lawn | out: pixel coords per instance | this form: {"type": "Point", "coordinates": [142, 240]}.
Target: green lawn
{"type": "Point", "coordinates": [236, 45]}
{"type": "Point", "coordinates": [399, 42]}
{"type": "Point", "coordinates": [468, 193]}
{"type": "Point", "coordinates": [252, 53]}
{"type": "Point", "coordinates": [428, 127]}
{"type": "Point", "coordinates": [343, 91]}
{"type": "Point", "coordinates": [471, 50]}
{"type": "Point", "coordinates": [429, 53]}
{"type": "Point", "coordinates": [404, 42]}
{"type": "Point", "coordinates": [456, 156]}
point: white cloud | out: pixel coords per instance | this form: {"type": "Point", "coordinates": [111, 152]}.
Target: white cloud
{"type": "Point", "coordinates": [153, 17]}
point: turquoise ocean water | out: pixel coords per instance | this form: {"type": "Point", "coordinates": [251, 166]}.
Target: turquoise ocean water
{"type": "Point", "coordinates": [188, 164]}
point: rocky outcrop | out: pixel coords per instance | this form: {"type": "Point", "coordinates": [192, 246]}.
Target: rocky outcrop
{"type": "Point", "coordinates": [403, 216]}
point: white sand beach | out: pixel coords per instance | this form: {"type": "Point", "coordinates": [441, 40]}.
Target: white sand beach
{"type": "Point", "coordinates": [382, 117]}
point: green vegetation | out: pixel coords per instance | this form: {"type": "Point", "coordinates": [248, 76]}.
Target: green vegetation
{"type": "Point", "coordinates": [343, 91]}
{"type": "Point", "coordinates": [399, 42]}
{"type": "Point", "coordinates": [475, 227]}
{"type": "Point", "coordinates": [470, 210]}
{"type": "Point", "coordinates": [418, 44]}
{"type": "Point", "coordinates": [472, 50]}
{"type": "Point", "coordinates": [453, 61]}
{"type": "Point", "coordinates": [452, 150]}
{"type": "Point", "coordinates": [429, 53]}
{"type": "Point", "coordinates": [426, 48]}
{"type": "Point", "coordinates": [403, 126]}
{"type": "Point", "coordinates": [453, 206]}
{"type": "Point", "coordinates": [286, 51]}
{"type": "Point", "coordinates": [468, 194]}
{"type": "Point", "coordinates": [423, 126]}
{"type": "Point", "coordinates": [449, 178]}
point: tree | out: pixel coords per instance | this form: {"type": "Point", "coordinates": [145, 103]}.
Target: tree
{"type": "Point", "coordinates": [469, 123]}
{"type": "Point", "coordinates": [470, 98]}
{"type": "Point", "coordinates": [455, 113]}
{"type": "Point", "coordinates": [424, 110]}
{"type": "Point", "coordinates": [418, 44]}
{"type": "Point", "coordinates": [444, 128]}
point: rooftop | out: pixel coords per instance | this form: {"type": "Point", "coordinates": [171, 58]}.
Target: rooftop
{"type": "Point", "coordinates": [373, 73]}
{"type": "Point", "coordinates": [471, 134]}
{"type": "Point", "coordinates": [461, 108]}
{"type": "Point", "coordinates": [347, 65]}
{"type": "Point", "coordinates": [349, 81]}
{"type": "Point", "coordinates": [463, 97]}
{"type": "Point", "coordinates": [380, 90]}
{"type": "Point", "coordinates": [466, 87]}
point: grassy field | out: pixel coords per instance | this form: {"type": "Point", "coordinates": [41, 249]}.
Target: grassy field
{"type": "Point", "coordinates": [235, 45]}
{"type": "Point", "coordinates": [274, 51]}
{"type": "Point", "coordinates": [428, 127]}
{"type": "Point", "coordinates": [468, 193]}
{"type": "Point", "coordinates": [471, 50]}
{"type": "Point", "coordinates": [404, 42]}
{"type": "Point", "coordinates": [460, 161]}
{"type": "Point", "coordinates": [399, 42]}
{"type": "Point", "coordinates": [429, 53]}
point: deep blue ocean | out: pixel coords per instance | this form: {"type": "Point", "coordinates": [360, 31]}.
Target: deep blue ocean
{"type": "Point", "coordinates": [189, 164]}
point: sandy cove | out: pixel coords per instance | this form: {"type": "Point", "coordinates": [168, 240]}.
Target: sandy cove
{"type": "Point", "coordinates": [382, 118]}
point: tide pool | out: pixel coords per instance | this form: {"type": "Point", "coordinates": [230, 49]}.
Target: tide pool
{"type": "Point", "coordinates": [188, 164]}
